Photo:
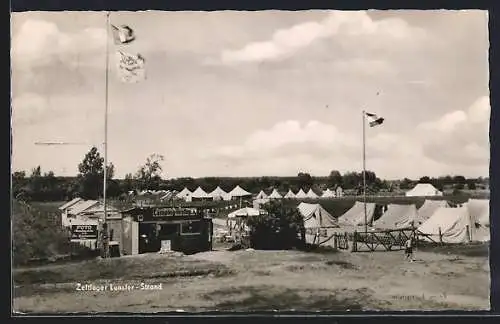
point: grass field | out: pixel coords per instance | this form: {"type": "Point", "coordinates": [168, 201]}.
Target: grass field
{"type": "Point", "coordinates": [260, 280]}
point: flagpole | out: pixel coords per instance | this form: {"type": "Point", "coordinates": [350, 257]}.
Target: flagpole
{"type": "Point", "coordinates": [364, 172]}
{"type": "Point", "coordinates": [105, 225]}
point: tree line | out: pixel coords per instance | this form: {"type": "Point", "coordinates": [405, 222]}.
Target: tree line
{"type": "Point", "coordinates": [88, 184]}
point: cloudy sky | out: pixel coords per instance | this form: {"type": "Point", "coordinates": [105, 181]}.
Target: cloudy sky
{"type": "Point", "coordinates": [257, 93]}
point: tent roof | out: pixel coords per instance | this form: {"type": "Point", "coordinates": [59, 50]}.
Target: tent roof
{"type": "Point", "coordinates": [356, 215]}
{"type": "Point", "coordinates": [239, 192]}
{"type": "Point", "coordinates": [423, 189]}
{"type": "Point", "coordinates": [262, 194]}
{"type": "Point", "coordinates": [275, 194]}
{"type": "Point", "coordinates": [290, 194]}
{"type": "Point", "coordinates": [301, 194]}
{"type": "Point", "coordinates": [311, 194]}
{"type": "Point", "coordinates": [479, 210]}
{"type": "Point", "coordinates": [397, 216]}
{"type": "Point", "coordinates": [184, 192]}
{"type": "Point", "coordinates": [247, 211]}
{"type": "Point", "coordinates": [316, 216]}
{"type": "Point", "coordinates": [428, 208]}
{"type": "Point", "coordinates": [328, 193]}
{"type": "Point", "coordinates": [200, 193]}
{"type": "Point", "coordinates": [451, 222]}
{"type": "Point", "coordinates": [70, 203]}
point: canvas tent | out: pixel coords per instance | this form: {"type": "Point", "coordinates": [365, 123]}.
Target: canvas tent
{"type": "Point", "coordinates": [200, 194]}
{"type": "Point", "coordinates": [328, 194]}
{"type": "Point", "coordinates": [275, 195]}
{"type": "Point", "coordinates": [301, 194]}
{"type": "Point", "coordinates": [455, 226]}
{"type": "Point", "coordinates": [219, 194]}
{"type": "Point", "coordinates": [239, 192]}
{"type": "Point", "coordinates": [356, 215]}
{"type": "Point", "coordinates": [397, 217]}
{"type": "Point", "coordinates": [315, 216]}
{"type": "Point", "coordinates": [245, 212]}
{"type": "Point", "coordinates": [290, 194]}
{"type": "Point", "coordinates": [311, 194]}
{"type": "Point", "coordinates": [428, 208]}
{"type": "Point", "coordinates": [423, 190]}
{"type": "Point", "coordinates": [261, 195]}
{"type": "Point", "coordinates": [185, 194]}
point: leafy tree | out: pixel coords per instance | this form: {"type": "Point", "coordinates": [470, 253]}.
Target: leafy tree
{"type": "Point", "coordinates": [149, 175]}
{"type": "Point", "coordinates": [282, 227]}
{"type": "Point", "coordinates": [91, 174]}
{"type": "Point", "coordinates": [406, 184]}
{"type": "Point", "coordinates": [334, 179]}
{"type": "Point", "coordinates": [424, 180]}
{"type": "Point", "coordinates": [305, 180]}
{"type": "Point", "coordinates": [471, 184]}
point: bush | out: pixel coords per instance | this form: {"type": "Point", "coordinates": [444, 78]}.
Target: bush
{"type": "Point", "coordinates": [35, 234]}
{"type": "Point", "coordinates": [281, 227]}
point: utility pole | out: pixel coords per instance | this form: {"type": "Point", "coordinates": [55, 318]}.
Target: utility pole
{"type": "Point", "coordinates": [105, 236]}
{"type": "Point", "coordinates": [364, 172]}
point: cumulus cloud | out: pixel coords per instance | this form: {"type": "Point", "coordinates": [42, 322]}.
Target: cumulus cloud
{"type": "Point", "coordinates": [40, 42]}
{"type": "Point", "coordinates": [460, 137]}
{"type": "Point", "coordinates": [286, 42]}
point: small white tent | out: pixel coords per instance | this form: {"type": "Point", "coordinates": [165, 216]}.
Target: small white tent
{"type": "Point", "coordinates": [185, 194]}
{"type": "Point", "coordinates": [356, 215]}
{"type": "Point", "coordinates": [245, 212]}
{"type": "Point", "coordinates": [290, 194]}
{"type": "Point", "coordinates": [454, 224]}
{"type": "Point", "coordinates": [219, 194]}
{"type": "Point", "coordinates": [261, 195]}
{"type": "Point", "coordinates": [311, 194]}
{"type": "Point", "coordinates": [275, 195]}
{"type": "Point", "coordinates": [423, 190]}
{"type": "Point", "coordinates": [239, 192]}
{"type": "Point", "coordinates": [301, 194]}
{"type": "Point", "coordinates": [428, 208]}
{"type": "Point", "coordinates": [200, 194]}
{"type": "Point", "coordinates": [328, 194]}
{"type": "Point", "coordinates": [397, 216]}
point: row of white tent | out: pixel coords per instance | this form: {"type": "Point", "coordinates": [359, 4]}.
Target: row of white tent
{"type": "Point", "coordinates": [436, 219]}
{"type": "Point", "coordinates": [237, 192]}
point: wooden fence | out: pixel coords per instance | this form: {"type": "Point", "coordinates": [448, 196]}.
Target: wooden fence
{"type": "Point", "coordinates": [382, 240]}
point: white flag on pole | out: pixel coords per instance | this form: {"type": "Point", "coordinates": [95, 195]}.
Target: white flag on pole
{"type": "Point", "coordinates": [131, 67]}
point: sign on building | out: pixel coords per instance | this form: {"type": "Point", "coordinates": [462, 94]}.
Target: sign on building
{"type": "Point", "coordinates": [83, 232]}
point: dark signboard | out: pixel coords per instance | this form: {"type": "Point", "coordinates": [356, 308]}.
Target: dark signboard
{"type": "Point", "coordinates": [83, 232]}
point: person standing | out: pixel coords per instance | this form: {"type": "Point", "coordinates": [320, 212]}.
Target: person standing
{"type": "Point", "coordinates": [409, 249]}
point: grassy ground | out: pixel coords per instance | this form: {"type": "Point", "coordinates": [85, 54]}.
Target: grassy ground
{"type": "Point", "coordinates": [261, 280]}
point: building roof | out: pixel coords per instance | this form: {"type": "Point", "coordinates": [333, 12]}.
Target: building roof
{"type": "Point", "coordinates": [70, 203]}
{"type": "Point", "coordinates": [82, 206]}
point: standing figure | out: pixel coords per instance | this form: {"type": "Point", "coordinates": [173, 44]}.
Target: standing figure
{"type": "Point", "coordinates": [409, 249]}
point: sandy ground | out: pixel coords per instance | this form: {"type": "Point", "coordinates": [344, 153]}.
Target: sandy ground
{"type": "Point", "coordinates": [288, 280]}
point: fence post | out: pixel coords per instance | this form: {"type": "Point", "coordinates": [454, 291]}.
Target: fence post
{"type": "Point", "coordinates": [440, 236]}
{"type": "Point", "coordinates": [467, 229]}
{"type": "Point", "coordinates": [354, 242]}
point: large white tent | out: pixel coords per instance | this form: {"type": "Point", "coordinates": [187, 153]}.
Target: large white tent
{"type": "Point", "coordinates": [275, 194]}
{"type": "Point", "coordinates": [261, 195]}
{"type": "Point", "coordinates": [290, 194]}
{"type": "Point", "coordinates": [455, 225]}
{"type": "Point", "coordinates": [423, 190]}
{"type": "Point", "coordinates": [311, 194]}
{"type": "Point", "coordinates": [428, 208]}
{"type": "Point", "coordinates": [219, 194]}
{"type": "Point", "coordinates": [396, 217]}
{"type": "Point", "coordinates": [356, 215]}
{"type": "Point", "coordinates": [315, 216]}
{"type": "Point", "coordinates": [184, 194]}
{"type": "Point", "coordinates": [200, 194]}
{"type": "Point", "coordinates": [301, 194]}
{"type": "Point", "coordinates": [328, 194]}
{"type": "Point", "coordinates": [239, 192]}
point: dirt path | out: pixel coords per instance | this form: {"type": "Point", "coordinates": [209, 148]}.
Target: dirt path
{"type": "Point", "coordinates": [266, 280]}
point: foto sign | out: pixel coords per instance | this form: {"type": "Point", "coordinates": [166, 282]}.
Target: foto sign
{"type": "Point", "coordinates": [79, 232]}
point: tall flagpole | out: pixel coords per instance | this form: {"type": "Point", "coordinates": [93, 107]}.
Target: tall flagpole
{"type": "Point", "coordinates": [105, 225]}
{"type": "Point", "coordinates": [364, 172]}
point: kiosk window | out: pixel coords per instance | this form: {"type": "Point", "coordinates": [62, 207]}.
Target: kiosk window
{"type": "Point", "coordinates": [191, 228]}
{"type": "Point", "coordinates": [168, 229]}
